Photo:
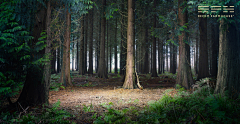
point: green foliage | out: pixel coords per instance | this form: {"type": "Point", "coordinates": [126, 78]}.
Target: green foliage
{"type": "Point", "coordinates": [88, 108]}
{"type": "Point", "coordinates": [199, 107]}
{"type": "Point", "coordinates": [49, 115]}
{"type": "Point", "coordinates": [14, 50]}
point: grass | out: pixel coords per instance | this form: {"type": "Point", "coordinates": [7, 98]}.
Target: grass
{"type": "Point", "coordinates": [201, 106]}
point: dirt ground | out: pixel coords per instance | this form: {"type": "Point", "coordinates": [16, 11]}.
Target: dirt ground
{"type": "Point", "coordinates": [89, 90]}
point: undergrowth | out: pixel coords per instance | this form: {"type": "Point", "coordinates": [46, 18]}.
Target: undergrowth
{"type": "Point", "coordinates": [47, 116]}
{"type": "Point", "coordinates": [202, 106]}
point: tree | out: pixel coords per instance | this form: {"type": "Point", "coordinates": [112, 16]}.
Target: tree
{"type": "Point", "coordinates": [154, 68]}
{"type": "Point", "coordinates": [229, 58]}
{"type": "Point", "coordinates": [81, 52]}
{"type": "Point", "coordinates": [36, 86]}
{"type": "Point", "coordinates": [102, 72]}
{"type": "Point", "coordinates": [203, 53]}
{"type": "Point", "coordinates": [67, 48]}
{"type": "Point", "coordinates": [90, 70]}
{"type": "Point", "coordinates": [130, 74]}
{"type": "Point", "coordinates": [215, 48]}
{"type": "Point", "coordinates": [184, 75]}
{"type": "Point", "coordinates": [115, 49]}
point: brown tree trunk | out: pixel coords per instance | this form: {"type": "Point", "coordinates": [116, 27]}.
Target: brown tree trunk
{"type": "Point", "coordinates": [166, 57]}
{"type": "Point", "coordinates": [81, 52]}
{"type": "Point", "coordinates": [58, 58]}
{"type": "Point", "coordinates": [130, 73]}
{"type": "Point", "coordinates": [159, 57]}
{"type": "Point", "coordinates": [203, 57]}
{"type": "Point", "coordinates": [174, 59]}
{"type": "Point", "coordinates": [102, 72]}
{"type": "Point", "coordinates": [196, 55]}
{"type": "Point", "coordinates": [215, 48]}
{"type": "Point", "coordinates": [53, 60]}
{"type": "Point", "coordinates": [85, 43]}
{"type": "Point", "coordinates": [90, 70]}
{"type": "Point", "coordinates": [163, 57]}
{"type": "Point", "coordinates": [154, 67]}
{"type": "Point", "coordinates": [77, 61]}
{"type": "Point", "coordinates": [107, 47]}
{"type": "Point", "coordinates": [146, 50]}
{"type": "Point", "coordinates": [229, 59]}
{"type": "Point", "coordinates": [67, 46]}
{"type": "Point", "coordinates": [115, 50]}
{"type": "Point", "coordinates": [73, 55]}
{"type": "Point", "coordinates": [184, 75]}
{"type": "Point", "coordinates": [171, 57]}
{"type": "Point", "coordinates": [123, 44]}
{"type": "Point", "coordinates": [36, 86]}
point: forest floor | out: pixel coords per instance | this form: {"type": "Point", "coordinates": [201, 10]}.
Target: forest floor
{"type": "Point", "coordinates": [89, 94]}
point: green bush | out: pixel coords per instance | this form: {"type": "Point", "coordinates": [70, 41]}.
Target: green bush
{"type": "Point", "coordinates": [48, 116]}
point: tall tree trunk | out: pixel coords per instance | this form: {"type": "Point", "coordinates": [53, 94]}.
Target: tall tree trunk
{"type": "Point", "coordinates": [53, 60]}
{"type": "Point", "coordinates": [81, 52]}
{"type": "Point", "coordinates": [130, 73]}
{"type": "Point", "coordinates": [77, 61]}
{"type": "Point", "coordinates": [102, 72]}
{"type": "Point", "coordinates": [196, 55]}
{"type": "Point", "coordinates": [146, 49]}
{"type": "Point", "coordinates": [203, 57]}
{"type": "Point", "coordinates": [163, 57]}
{"type": "Point", "coordinates": [73, 55]}
{"type": "Point", "coordinates": [58, 58]}
{"type": "Point", "coordinates": [115, 50]}
{"type": "Point", "coordinates": [107, 48]}
{"type": "Point", "coordinates": [67, 46]}
{"type": "Point", "coordinates": [123, 44]}
{"type": "Point", "coordinates": [229, 59]}
{"type": "Point", "coordinates": [154, 67]}
{"type": "Point", "coordinates": [174, 66]}
{"type": "Point", "coordinates": [90, 70]}
{"type": "Point", "coordinates": [85, 42]}
{"type": "Point", "coordinates": [215, 48]}
{"type": "Point", "coordinates": [184, 75]}
{"type": "Point", "coordinates": [171, 57]}
{"type": "Point", "coordinates": [36, 86]}
{"type": "Point", "coordinates": [166, 57]}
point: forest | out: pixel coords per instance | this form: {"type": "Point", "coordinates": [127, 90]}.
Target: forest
{"type": "Point", "coordinates": [119, 61]}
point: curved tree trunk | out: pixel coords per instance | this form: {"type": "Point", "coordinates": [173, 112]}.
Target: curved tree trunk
{"type": "Point", "coordinates": [184, 75]}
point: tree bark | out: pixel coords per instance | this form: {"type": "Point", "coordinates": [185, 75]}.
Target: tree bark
{"type": "Point", "coordinates": [130, 73]}
{"type": "Point", "coordinates": [67, 46]}
{"type": "Point", "coordinates": [36, 86]}
{"type": "Point", "coordinates": [215, 48]}
{"type": "Point", "coordinates": [53, 60]}
{"type": "Point", "coordinates": [73, 55]}
{"type": "Point", "coordinates": [184, 75]}
{"type": "Point", "coordinates": [81, 52]}
{"type": "Point", "coordinates": [102, 72]}
{"type": "Point", "coordinates": [58, 58]}
{"type": "Point", "coordinates": [196, 55]}
{"type": "Point", "coordinates": [203, 57]}
{"type": "Point", "coordinates": [90, 70]}
{"type": "Point", "coordinates": [115, 50]}
{"type": "Point", "coordinates": [154, 67]}
{"type": "Point", "coordinates": [229, 59]}
{"type": "Point", "coordinates": [85, 42]}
